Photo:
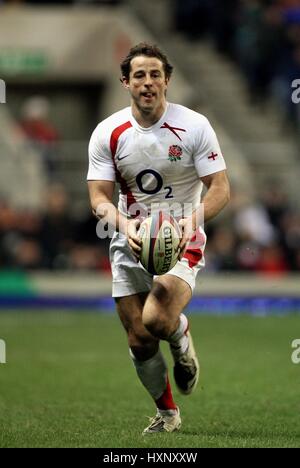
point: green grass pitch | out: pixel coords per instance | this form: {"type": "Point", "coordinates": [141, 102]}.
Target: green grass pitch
{"type": "Point", "coordinates": [69, 382]}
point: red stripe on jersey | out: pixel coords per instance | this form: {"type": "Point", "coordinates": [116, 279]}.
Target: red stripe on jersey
{"type": "Point", "coordinates": [117, 132]}
{"type": "Point", "coordinates": [194, 254]}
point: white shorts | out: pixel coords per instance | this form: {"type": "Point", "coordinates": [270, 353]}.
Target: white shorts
{"type": "Point", "coordinates": [130, 277]}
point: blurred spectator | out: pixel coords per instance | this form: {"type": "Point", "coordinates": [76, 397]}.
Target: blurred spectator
{"type": "Point", "coordinates": [252, 222]}
{"type": "Point", "coordinates": [12, 2]}
{"type": "Point", "coordinates": [89, 257]}
{"type": "Point", "coordinates": [222, 250]}
{"type": "Point", "coordinates": [192, 17]}
{"type": "Point", "coordinates": [40, 131]}
{"type": "Point", "coordinates": [271, 261]}
{"type": "Point", "coordinates": [224, 18]}
{"type": "Point", "coordinates": [67, 2]}
{"type": "Point", "coordinates": [8, 225]}
{"type": "Point", "coordinates": [28, 254]}
{"type": "Point", "coordinates": [57, 228]}
{"type": "Point", "coordinates": [258, 43]}
{"type": "Point", "coordinates": [276, 202]}
{"type": "Point", "coordinates": [262, 37]}
{"type": "Point", "coordinates": [290, 229]}
{"type": "Point", "coordinates": [248, 252]}
{"type": "Point", "coordinates": [258, 236]}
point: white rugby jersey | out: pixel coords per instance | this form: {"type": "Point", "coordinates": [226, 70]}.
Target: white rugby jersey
{"type": "Point", "coordinates": [156, 165]}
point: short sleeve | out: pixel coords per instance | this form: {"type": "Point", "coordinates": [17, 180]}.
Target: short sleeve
{"type": "Point", "coordinates": [208, 157]}
{"type": "Point", "coordinates": [101, 166]}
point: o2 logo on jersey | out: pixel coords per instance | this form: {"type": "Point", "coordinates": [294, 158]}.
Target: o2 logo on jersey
{"type": "Point", "coordinates": [296, 93]}
{"type": "Point", "coordinates": [156, 182]}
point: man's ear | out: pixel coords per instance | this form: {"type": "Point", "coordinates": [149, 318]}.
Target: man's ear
{"type": "Point", "coordinates": [125, 82]}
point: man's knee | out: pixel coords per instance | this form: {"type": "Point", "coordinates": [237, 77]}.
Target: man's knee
{"type": "Point", "coordinates": [161, 294]}
{"type": "Point", "coordinates": [157, 321]}
{"type": "Point", "coordinates": [142, 347]}
{"type": "Point", "coordinates": [158, 318]}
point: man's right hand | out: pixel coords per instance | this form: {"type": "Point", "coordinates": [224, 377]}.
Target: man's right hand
{"type": "Point", "coordinates": [134, 240]}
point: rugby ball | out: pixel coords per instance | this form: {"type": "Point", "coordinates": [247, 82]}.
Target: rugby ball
{"type": "Point", "coordinates": [160, 235]}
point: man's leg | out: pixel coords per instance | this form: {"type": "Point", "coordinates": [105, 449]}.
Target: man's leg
{"type": "Point", "coordinates": [149, 363]}
{"type": "Point", "coordinates": [163, 318]}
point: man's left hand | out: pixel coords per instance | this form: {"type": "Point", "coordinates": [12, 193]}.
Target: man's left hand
{"type": "Point", "coordinates": [186, 226]}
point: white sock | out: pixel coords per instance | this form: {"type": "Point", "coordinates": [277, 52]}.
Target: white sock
{"type": "Point", "coordinates": [152, 373]}
{"type": "Point", "coordinates": [179, 341]}
{"type": "Point", "coordinates": [169, 412]}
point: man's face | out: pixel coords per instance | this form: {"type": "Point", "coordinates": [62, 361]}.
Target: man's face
{"type": "Point", "coordinates": [147, 83]}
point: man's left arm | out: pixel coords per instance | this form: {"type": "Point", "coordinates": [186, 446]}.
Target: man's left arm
{"type": "Point", "coordinates": [215, 199]}
{"type": "Point", "coordinates": [217, 195]}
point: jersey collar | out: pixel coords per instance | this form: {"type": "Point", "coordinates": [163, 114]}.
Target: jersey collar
{"type": "Point", "coordinates": [149, 129]}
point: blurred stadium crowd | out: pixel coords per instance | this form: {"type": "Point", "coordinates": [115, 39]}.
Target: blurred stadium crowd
{"type": "Point", "coordinates": [53, 239]}
{"type": "Point", "coordinates": [63, 2]}
{"type": "Point", "coordinates": [255, 236]}
{"type": "Point", "coordinates": [260, 235]}
{"type": "Point", "coordinates": [261, 36]}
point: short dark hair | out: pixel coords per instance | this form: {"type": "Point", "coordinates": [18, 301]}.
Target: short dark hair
{"type": "Point", "coordinates": [149, 50]}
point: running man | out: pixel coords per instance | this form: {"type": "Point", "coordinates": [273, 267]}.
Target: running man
{"type": "Point", "coordinates": [159, 152]}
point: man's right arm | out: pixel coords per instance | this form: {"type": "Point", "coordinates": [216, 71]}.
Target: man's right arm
{"type": "Point", "coordinates": [101, 196]}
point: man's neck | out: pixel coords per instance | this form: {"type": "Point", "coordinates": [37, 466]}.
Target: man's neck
{"type": "Point", "coordinates": [147, 119]}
